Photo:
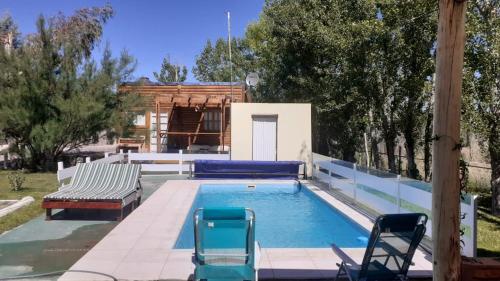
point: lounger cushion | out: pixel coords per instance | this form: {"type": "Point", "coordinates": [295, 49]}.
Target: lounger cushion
{"type": "Point", "coordinates": [97, 181]}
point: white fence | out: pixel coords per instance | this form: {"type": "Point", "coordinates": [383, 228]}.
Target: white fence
{"type": "Point", "coordinates": [389, 193]}
{"type": "Point", "coordinates": [65, 173]}
{"type": "Point", "coordinates": [176, 162]}
{"type": "Point", "coordinates": [150, 162]}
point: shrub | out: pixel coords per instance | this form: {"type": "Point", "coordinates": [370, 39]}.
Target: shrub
{"type": "Point", "coordinates": [16, 180]}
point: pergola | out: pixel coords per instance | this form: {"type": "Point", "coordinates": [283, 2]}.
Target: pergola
{"type": "Point", "coordinates": [169, 102]}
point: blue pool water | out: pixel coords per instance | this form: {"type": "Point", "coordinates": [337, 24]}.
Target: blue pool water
{"type": "Point", "coordinates": [287, 216]}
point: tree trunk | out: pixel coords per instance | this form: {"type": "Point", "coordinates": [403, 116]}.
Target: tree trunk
{"type": "Point", "coordinates": [412, 169]}
{"type": "Point", "coordinates": [375, 153]}
{"type": "Point", "coordinates": [390, 145]}
{"type": "Point", "coordinates": [446, 152]}
{"type": "Point", "coordinates": [494, 149]}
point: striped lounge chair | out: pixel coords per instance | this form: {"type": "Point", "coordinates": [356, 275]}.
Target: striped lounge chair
{"type": "Point", "coordinates": [98, 186]}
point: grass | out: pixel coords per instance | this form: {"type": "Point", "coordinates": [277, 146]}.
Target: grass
{"type": "Point", "coordinates": [36, 185]}
{"type": "Point", "coordinates": [488, 234]}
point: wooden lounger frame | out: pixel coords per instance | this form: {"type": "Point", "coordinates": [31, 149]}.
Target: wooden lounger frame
{"type": "Point", "coordinates": [49, 204]}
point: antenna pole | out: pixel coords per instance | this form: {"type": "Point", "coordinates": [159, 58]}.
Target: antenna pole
{"type": "Point", "coordinates": [230, 57]}
{"type": "Point", "coordinates": [230, 64]}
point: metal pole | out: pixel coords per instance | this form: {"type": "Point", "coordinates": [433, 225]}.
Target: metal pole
{"type": "Point", "coordinates": [366, 151]}
{"type": "Point", "coordinates": [399, 193]}
{"type": "Point", "coordinates": [355, 184]}
{"type": "Point", "coordinates": [230, 52]}
{"type": "Point", "coordinates": [230, 64]}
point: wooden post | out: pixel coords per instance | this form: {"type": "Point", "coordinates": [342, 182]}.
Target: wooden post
{"type": "Point", "coordinates": [158, 128]}
{"type": "Point", "coordinates": [223, 120]}
{"type": "Point", "coordinates": [221, 127]}
{"type": "Point", "coordinates": [445, 148]}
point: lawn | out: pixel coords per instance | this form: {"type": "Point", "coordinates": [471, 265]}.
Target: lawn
{"type": "Point", "coordinates": [488, 234]}
{"type": "Point", "coordinates": [36, 185]}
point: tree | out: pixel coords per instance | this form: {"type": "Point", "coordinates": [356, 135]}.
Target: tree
{"type": "Point", "coordinates": [481, 100]}
{"type": "Point", "coordinates": [402, 62]}
{"type": "Point", "coordinates": [304, 51]}
{"type": "Point", "coordinates": [213, 64]}
{"type": "Point", "coordinates": [53, 96]}
{"type": "Point", "coordinates": [9, 32]}
{"type": "Point", "coordinates": [170, 72]}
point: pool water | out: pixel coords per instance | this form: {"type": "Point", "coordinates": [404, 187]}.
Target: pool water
{"type": "Point", "coordinates": [287, 216]}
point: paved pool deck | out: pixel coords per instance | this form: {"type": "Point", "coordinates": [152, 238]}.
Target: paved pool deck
{"type": "Point", "coordinates": [141, 246]}
{"type": "Point", "coordinates": [41, 246]}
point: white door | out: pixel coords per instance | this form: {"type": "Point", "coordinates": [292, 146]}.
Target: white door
{"type": "Point", "coordinates": [264, 138]}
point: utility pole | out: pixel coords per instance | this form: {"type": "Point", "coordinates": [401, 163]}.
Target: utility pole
{"type": "Point", "coordinates": [446, 148]}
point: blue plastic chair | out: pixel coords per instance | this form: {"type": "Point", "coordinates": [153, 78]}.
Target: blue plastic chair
{"type": "Point", "coordinates": [225, 246]}
{"type": "Point", "coordinates": [390, 249]}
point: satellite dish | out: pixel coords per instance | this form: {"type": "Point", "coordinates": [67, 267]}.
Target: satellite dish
{"type": "Point", "coordinates": [252, 79]}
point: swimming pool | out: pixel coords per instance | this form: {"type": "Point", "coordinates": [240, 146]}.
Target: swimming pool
{"type": "Point", "coordinates": [287, 216]}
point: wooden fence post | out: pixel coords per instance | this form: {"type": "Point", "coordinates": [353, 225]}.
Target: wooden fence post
{"type": "Point", "coordinates": [445, 148]}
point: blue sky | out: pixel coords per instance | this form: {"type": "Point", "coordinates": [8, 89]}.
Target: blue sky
{"type": "Point", "coordinates": [150, 29]}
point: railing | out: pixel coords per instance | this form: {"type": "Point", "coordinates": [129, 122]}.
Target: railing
{"type": "Point", "coordinates": [390, 193]}
{"type": "Point", "coordinates": [176, 162]}
{"type": "Point", "coordinates": [65, 173]}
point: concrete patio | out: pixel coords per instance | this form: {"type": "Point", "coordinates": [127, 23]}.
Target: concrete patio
{"type": "Point", "coordinates": [141, 247]}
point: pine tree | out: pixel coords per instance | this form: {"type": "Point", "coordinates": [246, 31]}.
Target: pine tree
{"type": "Point", "coordinates": [53, 96]}
{"type": "Point", "coordinates": [170, 72]}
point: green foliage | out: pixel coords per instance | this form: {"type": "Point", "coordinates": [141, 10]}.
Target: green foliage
{"type": "Point", "coordinates": [213, 64]}
{"type": "Point", "coordinates": [53, 96]}
{"type": "Point", "coordinates": [305, 54]}
{"type": "Point", "coordinates": [401, 64]}
{"type": "Point", "coordinates": [16, 180]}
{"type": "Point", "coordinates": [9, 28]}
{"type": "Point", "coordinates": [481, 96]}
{"type": "Point", "coordinates": [349, 58]}
{"type": "Point", "coordinates": [170, 72]}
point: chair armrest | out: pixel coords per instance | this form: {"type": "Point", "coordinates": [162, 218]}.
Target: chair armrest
{"type": "Point", "coordinates": [342, 255]}
{"type": "Point", "coordinates": [257, 255]}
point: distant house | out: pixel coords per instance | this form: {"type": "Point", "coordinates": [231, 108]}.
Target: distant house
{"type": "Point", "coordinates": [191, 116]}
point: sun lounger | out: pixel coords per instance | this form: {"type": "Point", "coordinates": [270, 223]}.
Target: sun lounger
{"type": "Point", "coordinates": [98, 186]}
{"type": "Point", "coordinates": [390, 249]}
{"type": "Point", "coordinates": [225, 246]}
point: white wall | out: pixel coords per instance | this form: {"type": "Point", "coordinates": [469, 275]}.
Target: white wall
{"type": "Point", "coordinates": [293, 130]}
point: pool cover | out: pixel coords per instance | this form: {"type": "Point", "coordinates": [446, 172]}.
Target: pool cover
{"type": "Point", "coordinates": [236, 169]}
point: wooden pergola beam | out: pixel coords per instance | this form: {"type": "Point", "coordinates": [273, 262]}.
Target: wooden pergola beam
{"type": "Point", "coordinates": [446, 148]}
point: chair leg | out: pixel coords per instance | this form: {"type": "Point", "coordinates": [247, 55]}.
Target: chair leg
{"type": "Point", "coordinates": [120, 218]}
{"type": "Point", "coordinates": [48, 214]}
{"type": "Point", "coordinates": [342, 268]}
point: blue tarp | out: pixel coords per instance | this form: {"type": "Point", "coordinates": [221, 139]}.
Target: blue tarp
{"type": "Point", "coordinates": [234, 169]}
